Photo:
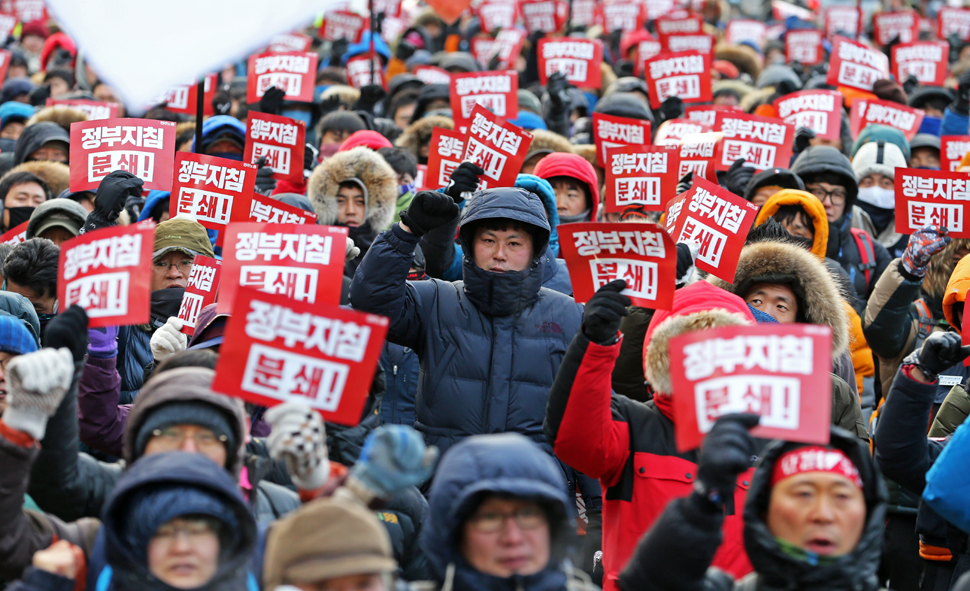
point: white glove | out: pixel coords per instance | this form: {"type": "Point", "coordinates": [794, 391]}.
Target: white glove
{"type": "Point", "coordinates": [37, 384]}
{"type": "Point", "coordinates": [300, 438]}
{"type": "Point", "coordinates": [352, 251]}
{"type": "Point", "coordinates": [168, 339]}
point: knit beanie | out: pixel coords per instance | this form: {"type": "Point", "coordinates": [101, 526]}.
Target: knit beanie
{"type": "Point", "coordinates": [195, 413]}
{"type": "Point", "coordinates": [888, 90]}
{"type": "Point", "coordinates": [879, 157]}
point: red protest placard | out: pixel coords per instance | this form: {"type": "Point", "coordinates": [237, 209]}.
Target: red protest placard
{"type": "Point", "coordinates": [777, 371]}
{"type": "Point", "coordinates": [364, 70]}
{"type": "Point", "coordinates": [210, 190]}
{"type": "Point", "coordinates": [497, 146]}
{"type": "Point", "coordinates": [26, 10]}
{"type": "Point", "coordinates": [610, 131]}
{"type": "Point", "coordinates": [507, 45]}
{"type": "Point", "coordinates": [547, 16]}
{"type": "Point", "coordinates": [420, 179]}
{"type": "Point", "coordinates": [646, 50]}
{"type": "Point", "coordinates": [952, 150]}
{"type": "Point", "coordinates": [683, 26]}
{"type": "Point", "coordinates": [623, 15]}
{"type": "Point", "coordinates": [855, 65]}
{"type": "Point", "coordinates": [267, 209]}
{"type": "Point", "coordinates": [7, 24]}
{"type": "Point", "coordinates": [783, 10]}
{"type": "Point", "coordinates": [658, 8]}
{"type": "Point", "coordinates": [578, 59]}
{"type": "Point", "coordinates": [740, 29]}
{"type": "Point", "coordinates": [903, 118]}
{"type": "Point", "coordinates": [184, 97]}
{"type": "Point", "coordinates": [697, 154]}
{"type": "Point", "coordinates": [143, 147]}
{"type": "Point", "coordinates": [481, 50]}
{"type": "Point", "coordinates": [277, 350]}
{"type": "Point", "coordinates": [303, 262]}
{"type": "Point", "coordinates": [281, 140]}
{"type": "Point", "coordinates": [707, 113]}
{"type": "Point", "coordinates": [495, 15]}
{"type": "Point", "coordinates": [672, 131]}
{"type": "Point", "coordinates": [700, 42]}
{"type": "Point", "coordinates": [446, 150]}
{"type": "Point", "coordinates": [294, 73]}
{"type": "Point", "coordinates": [342, 24]}
{"type": "Point", "coordinates": [640, 175]}
{"type": "Point", "coordinates": [951, 21]}
{"type": "Point", "coordinates": [15, 235]}
{"type": "Point", "coordinates": [932, 197]}
{"type": "Point", "coordinates": [890, 25]}
{"type": "Point", "coordinates": [641, 254]}
{"type": "Point", "coordinates": [449, 10]}
{"type": "Point", "coordinates": [286, 42]}
{"type": "Point", "coordinates": [390, 8]}
{"type": "Point", "coordinates": [108, 272]}
{"type": "Point", "coordinates": [926, 60]}
{"type": "Point", "coordinates": [4, 62]}
{"type": "Point", "coordinates": [95, 110]}
{"type": "Point", "coordinates": [717, 220]}
{"type": "Point", "coordinates": [842, 20]}
{"type": "Point", "coordinates": [495, 91]}
{"type": "Point", "coordinates": [804, 47]}
{"type": "Point", "coordinates": [200, 291]}
{"type": "Point", "coordinates": [686, 75]}
{"type": "Point", "coordinates": [818, 110]}
{"type": "Point", "coordinates": [432, 75]}
{"type": "Point", "coordinates": [584, 13]}
{"type": "Point", "coordinates": [763, 142]}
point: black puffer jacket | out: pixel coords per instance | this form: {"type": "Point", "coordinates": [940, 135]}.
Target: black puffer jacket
{"type": "Point", "coordinates": [675, 554]}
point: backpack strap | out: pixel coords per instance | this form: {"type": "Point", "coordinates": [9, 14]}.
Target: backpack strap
{"type": "Point", "coordinates": [925, 319]}
{"type": "Point", "coordinates": [866, 252]}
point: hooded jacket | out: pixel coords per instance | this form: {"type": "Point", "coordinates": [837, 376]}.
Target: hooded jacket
{"type": "Point", "coordinates": [778, 177]}
{"type": "Point", "coordinates": [214, 127]}
{"type": "Point", "coordinates": [575, 167]}
{"type": "Point", "coordinates": [35, 136]}
{"type": "Point", "coordinates": [505, 464]}
{"type": "Point", "coordinates": [812, 206]}
{"type": "Point", "coordinates": [490, 345]}
{"type": "Point", "coordinates": [628, 445]}
{"type": "Point", "coordinates": [675, 555]}
{"type": "Point", "coordinates": [419, 131]}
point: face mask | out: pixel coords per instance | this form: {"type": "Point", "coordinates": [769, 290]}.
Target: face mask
{"type": "Point", "coordinates": [229, 156]}
{"type": "Point", "coordinates": [328, 150]}
{"type": "Point", "coordinates": [405, 189]}
{"type": "Point", "coordinates": [19, 215]}
{"type": "Point", "coordinates": [884, 198]}
{"type": "Point", "coordinates": [299, 115]}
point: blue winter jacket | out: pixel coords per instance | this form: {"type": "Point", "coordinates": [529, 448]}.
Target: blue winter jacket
{"type": "Point", "coordinates": [490, 345]}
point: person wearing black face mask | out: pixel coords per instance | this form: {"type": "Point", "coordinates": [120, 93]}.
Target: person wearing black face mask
{"type": "Point", "coordinates": [31, 271]}
{"type": "Point", "coordinates": [22, 192]}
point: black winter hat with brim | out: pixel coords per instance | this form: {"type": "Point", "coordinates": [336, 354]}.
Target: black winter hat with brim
{"type": "Point", "coordinates": [773, 177]}
{"type": "Point", "coordinates": [189, 412]}
{"type": "Point", "coordinates": [826, 160]}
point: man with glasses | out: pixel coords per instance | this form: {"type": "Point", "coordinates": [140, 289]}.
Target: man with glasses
{"type": "Point", "coordinates": [828, 175]}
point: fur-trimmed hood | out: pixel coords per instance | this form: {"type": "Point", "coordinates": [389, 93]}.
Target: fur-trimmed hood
{"type": "Point", "coordinates": [819, 300]}
{"type": "Point", "coordinates": [410, 139]}
{"type": "Point", "coordinates": [547, 142]}
{"type": "Point", "coordinates": [62, 115]}
{"type": "Point", "coordinates": [57, 175]}
{"type": "Point", "coordinates": [744, 58]}
{"type": "Point", "coordinates": [369, 168]}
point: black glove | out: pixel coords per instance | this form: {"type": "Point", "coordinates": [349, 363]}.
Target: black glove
{"type": "Point", "coordinates": [736, 178]}
{"type": "Point", "coordinates": [557, 86]}
{"type": "Point", "coordinates": [910, 84]}
{"type": "Point", "coordinates": [671, 108]}
{"type": "Point", "coordinates": [310, 155]}
{"type": "Point", "coordinates": [404, 51]}
{"type": "Point", "coordinates": [464, 179]}
{"type": "Point", "coordinates": [803, 138]}
{"type": "Point", "coordinates": [38, 96]}
{"type": "Point", "coordinates": [604, 312]}
{"type": "Point", "coordinates": [68, 329]}
{"type": "Point", "coordinates": [337, 50]}
{"type": "Point", "coordinates": [429, 210]}
{"type": "Point", "coordinates": [272, 101]}
{"type": "Point", "coordinates": [222, 103]}
{"type": "Point", "coordinates": [370, 95]}
{"type": "Point", "coordinates": [113, 192]}
{"type": "Point", "coordinates": [961, 104]}
{"type": "Point", "coordinates": [265, 183]}
{"type": "Point", "coordinates": [330, 104]}
{"type": "Point", "coordinates": [728, 450]}
{"type": "Point", "coordinates": [940, 351]}
{"type": "Point", "coordinates": [685, 183]}
{"type": "Point", "coordinates": [133, 206]}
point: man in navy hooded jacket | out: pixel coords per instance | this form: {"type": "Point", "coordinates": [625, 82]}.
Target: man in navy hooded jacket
{"type": "Point", "coordinates": [491, 344]}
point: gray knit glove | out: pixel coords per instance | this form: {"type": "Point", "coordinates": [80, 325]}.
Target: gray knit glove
{"type": "Point", "coordinates": [37, 383]}
{"type": "Point", "coordinates": [300, 439]}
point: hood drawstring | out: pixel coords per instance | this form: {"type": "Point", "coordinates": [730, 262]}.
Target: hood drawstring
{"type": "Point", "coordinates": [449, 577]}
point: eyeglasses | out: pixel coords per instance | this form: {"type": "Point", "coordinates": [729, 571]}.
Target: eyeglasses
{"type": "Point", "coordinates": [173, 438]}
{"type": "Point", "coordinates": [4, 362]}
{"type": "Point", "coordinates": [193, 529]}
{"type": "Point", "coordinates": [184, 266]}
{"type": "Point", "coordinates": [837, 197]}
{"type": "Point", "coordinates": [493, 521]}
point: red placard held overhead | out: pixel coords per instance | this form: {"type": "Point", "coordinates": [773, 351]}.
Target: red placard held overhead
{"type": "Point", "coordinates": [682, 26]}
{"type": "Point", "coordinates": [952, 150]}
{"type": "Point", "coordinates": [15, 235]}
{"type": "Point", "coordinates": [432, 75]}
{"type": "Point", "coordinates": [622, 15]}
{"type": "Point", "coordinates": [804, 47]}
{"type": "Point", "coordinates": [672, 131]}
{"type": "Point", "coordinates": [584, 13]}
{"type": "Point", "coordinates": [932, 197]}
{"type": "Point", "coordinates": [184, 97]}
{"type": "Point", "coordinates": [481, 50]}
{"type": "Point", "coordinates": [495, 15]}
{"type": "Point", "coordinates": [495, 91]}
{"type": "Point", "coordinates": [658, 8]}
{"type": "Point", "coordinates": [108, 272]}
{"type": "Point", "coordinates": [210, 190]}
{"type": "Point", "coordinates": [26, 10]}
{"type": "Point", "coordinates": [717, 220]}
{"type": "Point", "coordinates": [855, 65]}
{"type": "Point", "coordinates": [294, 73]}
{"type": "Point", "coordinates": [281, 140]}
{"type": "Point", "coordinates": [8, 22]}
{"type": "Point", "coordinates": [342, 24]}
{"type": "Point", "coordinates": [95, 110]}
{"type": "Point", "coordinates": [890, 25]}
{"type": "Point", "coordinates": [953, 21]}
{"type": "Point", "coordinates": [446, 151]}
{"type": "Point", "coordinates": [700, 42]}
{"type": "Point", "coordinates": [842, 20]}
{"type": "Point", "coordinates": [763, 142]}
{"type": "Point", "coordinates": [300, 261]}
{"type": "Point", "coordinates": [697, 154]}
{"type": "Point", "coordinates": [640, 175]}
{"type": "Point", "coordinates": [610, 131]}
{"type": "Point", "coordinates": [497, 146]}
{"type": "Point", "coordinates": [866, 111]}
{"type": "Point", "coordinates": [578, 59]}
{"type": "Point", "coordinates": [364, 70]}
{"type": "Point", "coordinates": [547, 16]}
{"type": "Point", "coordinates": [926, 60]}
{"type": "Point", "coordinates": [277, 350]}
{"type": "Point", "coordinates": [143, 147]}
{"type": "Point", "coordinates": [739, 29]}
{"type": "Point", "coordinates": [269, 210]}
{"type": "Point", "coordinates": [777, 371]}
{"type": "Point", "coordinates": [818, 110]}
{"type": "Point", "coordinates": [5, 56]}
{"type": "Point", "coordinates": [646, 50]}
{"type": "Point", "coordinates": [421, 179]}
{"type": "Point", "coordinates": [201, 290]}
{"type": "Point", "coordinates": [706, 114]}
{"type": "Point", "coordinates": [641, 254]}
{"type": "Point", "coordinates": [686, 75]}
{"type": "Point", "coordinates": [507, 46]}
{"type": "Point", "coordinates": [286, 42]}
